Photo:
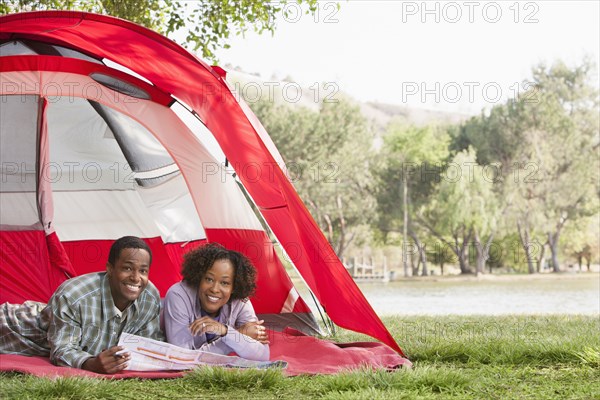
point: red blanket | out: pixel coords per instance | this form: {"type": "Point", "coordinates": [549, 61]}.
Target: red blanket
{"type": "Point", "coordinates": [304, 355]}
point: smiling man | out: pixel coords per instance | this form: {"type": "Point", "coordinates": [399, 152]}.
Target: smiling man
{"type": "Point", "coordinates": [81, 324]}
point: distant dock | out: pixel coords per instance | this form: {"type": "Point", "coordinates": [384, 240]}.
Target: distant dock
{"type": "Point", "coordinates": [366, 270]}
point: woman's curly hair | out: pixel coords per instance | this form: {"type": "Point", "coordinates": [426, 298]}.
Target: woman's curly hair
{"type": "Point", "coordinates": [201, 259]}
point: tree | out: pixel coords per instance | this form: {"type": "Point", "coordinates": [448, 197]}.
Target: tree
{"type": "Point", "coordinates": [464, 206]}
{"type": "Point", "coordinates": [527, 215]}
{"type": "Point", "coordinates": [557, 171]}
{"type": "Point", "coordinates": [546, 143]}
{"type": "Point", "coordinates": [564, 139]}
{"type": "Point", "coordinates": [580, 240]}
{"type": "Point", "coordinates": [497, 137]}
{"type": "Point", "coordinates": [207, 25]}
{"type": "Point", "coordinates": [413, 156]}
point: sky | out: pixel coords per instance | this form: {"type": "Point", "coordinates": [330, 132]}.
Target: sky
{"type": "Point", "coordinates": [457, 56]}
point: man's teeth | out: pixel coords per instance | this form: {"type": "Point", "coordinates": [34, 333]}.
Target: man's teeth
{"type": "Point", "coordinates": [132, 287]}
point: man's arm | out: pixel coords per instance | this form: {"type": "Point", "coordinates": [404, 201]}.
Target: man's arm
{"type": "Point", "coordinates": [65, 334]}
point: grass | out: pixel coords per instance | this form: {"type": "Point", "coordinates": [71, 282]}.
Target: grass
{"type": "Point", "coordinates": [509, 357]}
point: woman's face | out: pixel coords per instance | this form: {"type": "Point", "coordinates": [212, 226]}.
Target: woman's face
{"type": "Point", "coordinates": [216, 286]}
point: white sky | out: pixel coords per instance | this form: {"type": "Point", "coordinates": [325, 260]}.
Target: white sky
{"type": "Point", "coordinates": [396, 52]}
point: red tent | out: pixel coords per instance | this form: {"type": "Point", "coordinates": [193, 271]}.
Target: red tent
{"type": "Point", "coordinates": [110, 129]}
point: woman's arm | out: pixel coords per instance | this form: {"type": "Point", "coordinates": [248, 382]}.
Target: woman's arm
{"type": "Point", "coordinates": [247, 337]}
{"type": "Point", "coordinates": [177, 316]}
{"type": "Point", "coordinates": [232, 339]}
{"type": "Point", "coordinates": [245, 346]}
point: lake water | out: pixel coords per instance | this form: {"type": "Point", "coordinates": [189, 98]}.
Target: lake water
{"type": "Point", "coordinates": [566, 294]}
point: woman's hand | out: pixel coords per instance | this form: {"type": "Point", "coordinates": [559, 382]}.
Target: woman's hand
{"type": "Point", "coordinates": [207, 325]}
{"type": "Point", "coordinates": [256, 331]}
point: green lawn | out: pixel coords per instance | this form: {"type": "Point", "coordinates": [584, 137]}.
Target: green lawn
{"type": "Point", "coordinates": [455, 357]}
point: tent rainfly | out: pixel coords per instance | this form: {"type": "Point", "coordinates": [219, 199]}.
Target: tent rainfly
{"type": "Point", "coordinates": [110, 129]}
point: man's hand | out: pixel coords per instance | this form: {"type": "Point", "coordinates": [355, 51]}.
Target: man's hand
{"type": "Point", "coordinates": [256, 331]}
{"type": "Point", "coordinates": [207, 325]}
{"type": "Point", "coordinates": [108, 362]}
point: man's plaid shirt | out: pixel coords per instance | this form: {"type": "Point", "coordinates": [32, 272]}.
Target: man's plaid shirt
{"type": "Point", "coordinates": [79, 322]}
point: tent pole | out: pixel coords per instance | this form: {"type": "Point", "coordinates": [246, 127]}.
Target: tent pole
{"type": "Point", "coordinates": [327, 322]}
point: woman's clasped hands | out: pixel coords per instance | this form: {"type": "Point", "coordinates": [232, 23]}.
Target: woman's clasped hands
{"type": "Point", "coordinates": [208, 325]}
{"type": "Point", "coordinates": [253, 329]}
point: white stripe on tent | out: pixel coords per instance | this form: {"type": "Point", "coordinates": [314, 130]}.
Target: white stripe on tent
{"type": "Point", "coordinates": [290, 302]}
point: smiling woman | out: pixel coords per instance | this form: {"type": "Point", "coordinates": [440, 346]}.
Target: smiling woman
{"type": "Point", "coordinates": [210, 310]}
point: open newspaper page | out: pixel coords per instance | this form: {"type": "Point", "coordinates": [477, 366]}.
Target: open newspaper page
{"type": "Point", "coordinates": [152, 355]}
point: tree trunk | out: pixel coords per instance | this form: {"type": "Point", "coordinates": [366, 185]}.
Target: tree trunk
{"type": "Point", "coordinates": [405, 227]}
{"type": "Point", "coordinates": [482, 251]}
{"type": "Point", "coordinates": [540, 261]}
{"type": "Point", "coordinates": [463, 262]}
{"type": "Point", "coordinates": [524, 236]}
{"type": "Point", "coordinates": [479, 254]}
{"type": "Point", "coordinates": [422, 253]}
{"type": "Point", "coordinates": [424, 271]}
{"type": "Point", "coordinates": [486, 249]}
{"type": "Point", "coordinates": [341, 246]}
{"type": "Point", "coordinates": [325, 219]}
{"type": "Point", "coordinates": [457, 248]}
{"type": "Point", "coordinates": [329, 224]}
{"type": "Point", "coordinates": [413, 266]}
{"type": "Point", "coordinates": [461, 250]}
{"type": "Point", "coordinates": [588, 256]}
{"type": "Point", "coordinates": [553, 244]}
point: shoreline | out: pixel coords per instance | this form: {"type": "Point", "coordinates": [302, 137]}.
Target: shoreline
{"type": "Point", "coordinates": [507, 277]}
{"type": "Point", "coordinates": [499, 277]}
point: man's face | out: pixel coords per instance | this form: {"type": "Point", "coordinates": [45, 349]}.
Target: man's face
{"type": "Point", "coordinates": [128, 277]}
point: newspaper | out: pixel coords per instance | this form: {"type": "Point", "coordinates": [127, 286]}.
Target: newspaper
{"type": "Point", "coordinates": [152, 355]}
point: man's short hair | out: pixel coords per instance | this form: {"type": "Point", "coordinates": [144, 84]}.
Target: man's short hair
{"type": "Point", "coordinates": [127, 242]}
